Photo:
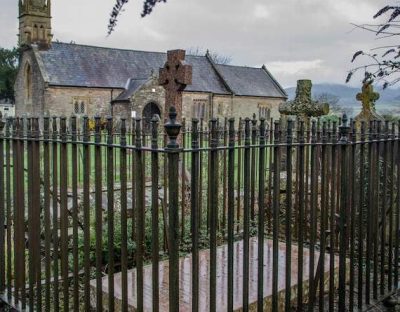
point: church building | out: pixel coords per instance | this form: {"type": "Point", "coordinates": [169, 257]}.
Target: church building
{"type": "Point", "coordinates": [57, 78]}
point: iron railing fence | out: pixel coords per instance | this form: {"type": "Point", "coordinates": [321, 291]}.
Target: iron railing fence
{"type": "Point", "coordinates": [252, 215]}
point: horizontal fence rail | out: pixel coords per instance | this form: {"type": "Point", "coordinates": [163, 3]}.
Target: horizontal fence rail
{"type": "Point", "coordinates": [204, 216]}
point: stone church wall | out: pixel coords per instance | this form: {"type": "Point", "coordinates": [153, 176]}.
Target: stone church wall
{"type": "Point", "coordinates": [54, 100]}
{"type": "Point", "coordinates": [61, 101]}
{"type": "Point", "coordinates": [29, 105]}
{"type": "Point", "coordinates": [247, 106]}
{"type": "Point", "coordinates": [150, 92]}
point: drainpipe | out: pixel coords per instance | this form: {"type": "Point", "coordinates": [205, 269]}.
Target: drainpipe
{"type": "Point", "coordinates": [111, 105]}
{"type": "Point", "coordinates": [211, 100]}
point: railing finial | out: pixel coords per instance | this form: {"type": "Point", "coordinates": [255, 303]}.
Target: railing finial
{"type": "Point", "coordinates": [173, 128]}
{"type": "Point", "coordinates": [344, 130]}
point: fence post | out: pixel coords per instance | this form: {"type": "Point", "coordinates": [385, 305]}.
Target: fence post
{"type": "Point", "coordinates": [172, 127]}
{"type": "Point", "coordinates": [98, 210]}
{"type": "Point", "coordinates": [288, 221]}
{"type": "Point", "coordinates": [344, 130]}
{"type": "Point", "coordinates": [397, 210]}
{"type": "Point", "coordinates": [213, 196]}
{"type": "Point", "coordinates": [140, 213]}
{"type": "Point", "coordinates": [361, 223]}
{"type": "Point", "coordinates": [86, 212]}
{"type": "Point", "coordinates": [9, 207]}
{"type": "Point", "coordinates": [246, 213]}
{"type": "Point", "coordinates": [124, 217]}
{"type": "Point", "coordinates": [275, 214]}
{"type": "Point", "coordinates": [195, 215]}
{"type": "Point", "coordinates": [2, 209]}
{"type": "Point", "coordinates": [324, 213]}
{"type": "Point", "coordinates": [110, 212]}
{"type": "Point", "coordinates": [75, 213]}
{"type": "Point", "coordinates": [300, 214]}
{"type": "Point", "coordinates": [155, 212]}
{"type": "Point", "coordinates": [261, 215]}
{"type": "Point", "coordinates": [31, 268]}
{"type": "Point", "coordinates": [313, 214]}
{"type": "Point", "coordinates": [231, 209]}
{"type": "Point", "coordinates": [64, 211]}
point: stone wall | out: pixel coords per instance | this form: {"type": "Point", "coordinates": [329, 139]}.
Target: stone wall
{"type": "Point", "coordinates": [221, 106]}
{"type": "Point", "coordinates": [202, 105]}
{"type": "Point", "coordinates": [34, 104]}
{"type": "Point", "coordinates": [148, 93]}
{"type": "Point", "coordinates": [62, 100]}
{"type": "Point", "coordinates": [54, 100]}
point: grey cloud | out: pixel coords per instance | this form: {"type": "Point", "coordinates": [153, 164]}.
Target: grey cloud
{"type": "Point", "coordinates": [252, 32]}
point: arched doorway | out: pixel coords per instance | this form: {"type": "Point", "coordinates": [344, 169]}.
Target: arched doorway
{"type": "Point", "coordinates": [149, 111]}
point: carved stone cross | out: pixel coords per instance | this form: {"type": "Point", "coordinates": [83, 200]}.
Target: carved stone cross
{"type": "Point", "coordinates": [368, 98]}
{"type": "Point", "coordinates": [303, 105]}
{"type": "Point", "coordinates": [174, 77]}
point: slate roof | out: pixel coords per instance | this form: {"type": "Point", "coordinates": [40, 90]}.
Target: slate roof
{"type": "Point", "coordinates": [250, 81]}
{"type": "Point", "coordinates": [68, 64]}
{"type": "Point", "coordinates": [131, 87]}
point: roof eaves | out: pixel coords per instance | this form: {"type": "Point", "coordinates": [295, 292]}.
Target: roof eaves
{"type": "Point", "coordinates": [82, 86]}
{"type": "Point", "coordinates": [116, 100]}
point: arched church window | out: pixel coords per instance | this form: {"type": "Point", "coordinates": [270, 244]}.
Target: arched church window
{"type": "Point", "coordinates": [200, 108]}
{"type": "Point", "coordinates": [83, 108]}
{"type": "Point", "coordinates": [76, 107]}
{"type": "Point", "coordinates": [42, 33]}
{"type": "Point", "coordinates": [79, 105]}
{"type": "Point", "coordinates": [28, 82]}
{"type": "Point", "coordinates": [264, 112]}
{"type": "Point", "coordinates": [35, 32]}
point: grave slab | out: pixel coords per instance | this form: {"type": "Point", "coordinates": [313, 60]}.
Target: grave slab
{"type": "Point", "coordinates": [185, 279]}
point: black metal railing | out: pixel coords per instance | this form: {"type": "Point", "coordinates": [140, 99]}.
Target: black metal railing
{"type": "Point", "coordinates": [248, 214]}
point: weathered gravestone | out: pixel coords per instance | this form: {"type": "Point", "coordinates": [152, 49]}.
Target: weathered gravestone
{"type": "Point", "coordinates": [174, 77]}
{"type": "Point", "coordinates": [368, 98]}
{"type": "Point", "coordinates": [303, 106]}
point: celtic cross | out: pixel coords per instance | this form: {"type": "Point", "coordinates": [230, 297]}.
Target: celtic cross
{"type": "Point", "coordinates": [174, 77]}
{"type": "Point", "coordinates": [368, 97]}
{"type": "Point", "coordinates": [303, 105]}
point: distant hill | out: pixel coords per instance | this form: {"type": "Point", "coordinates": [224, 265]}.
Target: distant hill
{"type": "Point", "coordinates": [389, 98]}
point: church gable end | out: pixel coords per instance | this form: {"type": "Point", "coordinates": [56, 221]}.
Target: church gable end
{"type": "Point", "coordinates": [29, 85]}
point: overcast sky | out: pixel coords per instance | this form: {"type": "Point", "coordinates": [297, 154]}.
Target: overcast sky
{"type": "Point", "coordinates": [294, 38]}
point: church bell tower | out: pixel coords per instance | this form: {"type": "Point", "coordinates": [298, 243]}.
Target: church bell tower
{"type": "Point", "coordinates": [35, 23]}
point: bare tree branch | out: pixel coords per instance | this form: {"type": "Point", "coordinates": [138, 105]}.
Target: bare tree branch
{"type": "Point", "coordinates": [382, 63]}
{"type": "Point", "coordinates": [117, 9]}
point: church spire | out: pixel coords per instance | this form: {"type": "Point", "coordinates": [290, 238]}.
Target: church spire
{"type": "Point", "coordinates": [35, 23]}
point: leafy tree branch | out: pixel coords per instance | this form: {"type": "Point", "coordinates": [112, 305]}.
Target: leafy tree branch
{"type": "Point", "coordinates": [8, 72]}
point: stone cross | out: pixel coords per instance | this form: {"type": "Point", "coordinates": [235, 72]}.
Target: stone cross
{"type": "Point", "coordinates": [174, 77]}
{"type": "Point", "coordinates": [303, 105]}
{"type": "Point", "coordinates": [368, 98]}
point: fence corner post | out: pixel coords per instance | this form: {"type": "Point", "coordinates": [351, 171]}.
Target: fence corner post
{"type": "Point", "coordinates": [2, 209]}
{"type": "Point", "coordinates": [172, 128]}
{"type": "Point", "coordinates": [343, 142]}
